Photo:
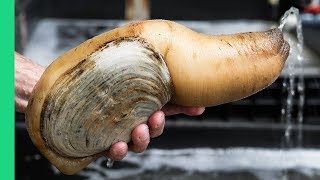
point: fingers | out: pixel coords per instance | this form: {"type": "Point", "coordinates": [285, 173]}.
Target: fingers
{"type": "Point", "coordinates": [194, 111]}
{"type": "Point", "coordinates": [156, 124]}
{"type": "Point", "coordinates": [118, 151]}
{"type": "Point", "coordinates": [172, 109]}
{"type": "Point", "coordinates": [140, 139]}
{"type": "Point", "coordinates": [141, 135]}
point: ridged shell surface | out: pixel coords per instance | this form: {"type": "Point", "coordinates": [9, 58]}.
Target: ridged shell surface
{"type": "Point", "coordinates": [100, 100]}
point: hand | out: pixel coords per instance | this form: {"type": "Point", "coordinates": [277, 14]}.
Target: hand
{"type": "Point", "coordinates": [28, 73]}
{"type": "Point", "coordinates": [141, 134]}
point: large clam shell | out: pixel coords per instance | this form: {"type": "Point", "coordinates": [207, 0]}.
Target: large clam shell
{"type": "Point", "coordinates": [116, 88]}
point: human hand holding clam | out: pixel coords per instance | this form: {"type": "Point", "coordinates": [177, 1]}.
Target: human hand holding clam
{"type": "Point", "coordinates": [141, 135]}
{"type": "Point", "coordinates": [95, 94]}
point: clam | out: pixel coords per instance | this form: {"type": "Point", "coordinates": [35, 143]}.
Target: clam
{"type": "Point", "coordinates": [96, 93]}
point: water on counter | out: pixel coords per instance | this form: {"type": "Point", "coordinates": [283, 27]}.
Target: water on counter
{"type": "Point", "coordinates": [207, 163]}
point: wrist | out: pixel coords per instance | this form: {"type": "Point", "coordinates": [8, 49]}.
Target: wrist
{"type": "Point", "coordinates": [27, 75]}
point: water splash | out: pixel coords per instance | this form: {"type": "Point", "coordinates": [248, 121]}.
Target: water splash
{"type": "Point", "coordinates": [109, 162]}
{"type": "Point", "coordinates": [290, 86]}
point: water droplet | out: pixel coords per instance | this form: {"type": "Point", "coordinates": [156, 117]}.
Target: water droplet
{"type": "Point", "coordinates": [109, 162]}
{"type": "Point", "coordinates": [288, 132]}
{"type": "Point", "coordinates": [284, 84]}
{"type": "Point", "coordinates": [37, 156]}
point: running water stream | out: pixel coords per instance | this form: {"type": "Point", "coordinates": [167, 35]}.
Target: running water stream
{"type": "Point", "coordinates": [292, 88]}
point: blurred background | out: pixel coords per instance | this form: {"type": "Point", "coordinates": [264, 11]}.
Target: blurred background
{"type": "Point", "coordinates": [253, 138]}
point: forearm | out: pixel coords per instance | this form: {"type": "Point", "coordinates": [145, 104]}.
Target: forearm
{"type": "Point", "coordinates": [27, 74]}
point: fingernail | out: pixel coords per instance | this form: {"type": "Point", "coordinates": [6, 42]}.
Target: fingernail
{"type": "Point", "coordinates": [144, 136]}
{"type": "Point", "coordinates": [201, 110]}
{"type": "Point", "coordinates": [157, 125]}
{"type": "Point", "coordinates": [118, 152]}
{"type": "Point", "coordinates": [162, 115]}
